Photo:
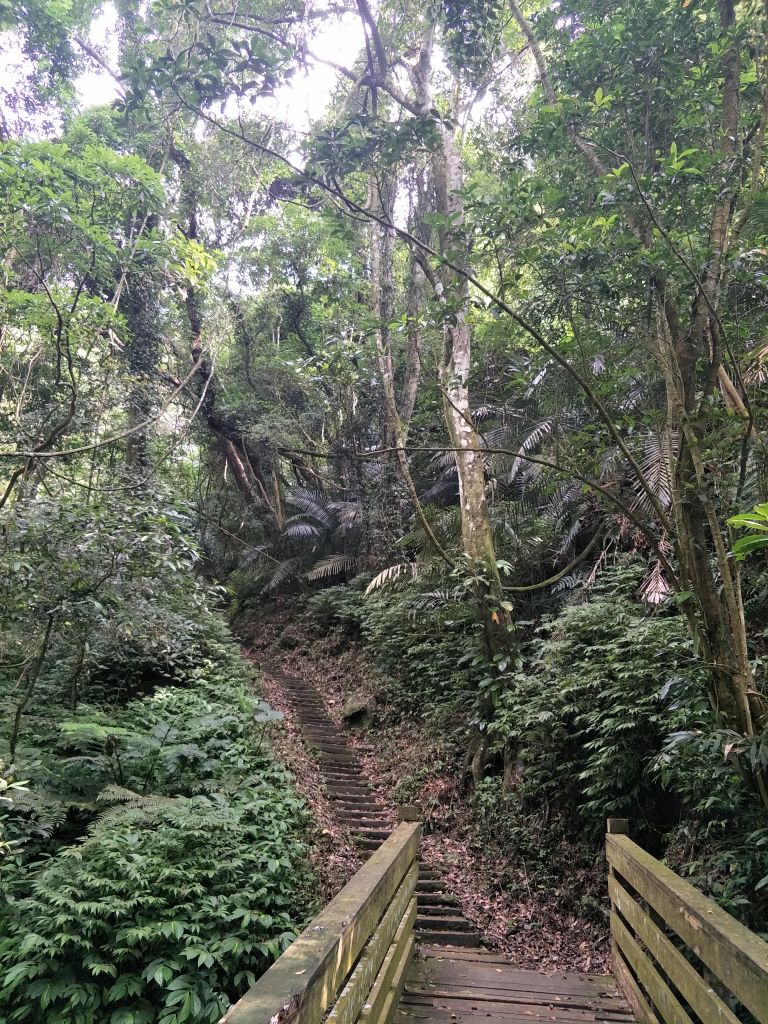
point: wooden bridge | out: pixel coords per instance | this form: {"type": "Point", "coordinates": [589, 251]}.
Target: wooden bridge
{"type": "Point", "coordinates": [384, 952]}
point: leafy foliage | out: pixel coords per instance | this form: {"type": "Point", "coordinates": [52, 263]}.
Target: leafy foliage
{"type": "Point", "coordinates": [191, 875]}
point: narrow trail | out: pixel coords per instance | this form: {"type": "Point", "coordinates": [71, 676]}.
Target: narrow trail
{"type": "Point", "coordinates": [450, 978]}
{"type": "Point", "coordinates": [439, 919]}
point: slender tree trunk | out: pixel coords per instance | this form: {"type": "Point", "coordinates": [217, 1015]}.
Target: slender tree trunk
{"type": "Point", "coordinates": [382, 305]}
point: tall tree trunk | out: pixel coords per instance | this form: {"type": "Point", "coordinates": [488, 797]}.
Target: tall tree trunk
{"type": "Point", "coordinates": [452, 289]}
{"type": "Point", "coordinates": [382, 306]}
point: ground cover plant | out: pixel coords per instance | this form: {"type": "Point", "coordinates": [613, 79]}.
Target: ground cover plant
{"type": "Point", "coordinates": [435, 334]}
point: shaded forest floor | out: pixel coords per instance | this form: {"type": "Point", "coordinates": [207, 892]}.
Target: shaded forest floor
{"type": "Point", "coordinates": [518, 912]}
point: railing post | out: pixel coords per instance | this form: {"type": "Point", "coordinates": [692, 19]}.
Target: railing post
{"type": "Point", "coordinates": [353, 958]}
{"type": "Point", "coordinates": [674, 949]}
{"type": "Point", "coordinates": [617, 826]}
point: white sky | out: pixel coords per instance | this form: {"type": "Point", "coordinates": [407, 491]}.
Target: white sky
{"type": "Point", "coordinates": [298, 104]}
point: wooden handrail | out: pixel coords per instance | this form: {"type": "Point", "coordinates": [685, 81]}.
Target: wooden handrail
{"type": "Point", "coordinates": [353, 957]}
{"type": "Point", "coordinates": [679, 957]}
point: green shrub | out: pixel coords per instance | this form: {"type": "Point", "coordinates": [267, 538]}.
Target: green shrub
{"type": "Point", "coordinates": [190, 877]}
{"type": "Point", "coordinates": [423, 640]}
{"type": "Point", "coordinates": [343, 608]}
{"type": "Point", "coordinates": [589, 716]}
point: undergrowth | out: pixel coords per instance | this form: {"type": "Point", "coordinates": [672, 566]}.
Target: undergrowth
{"type": "Point", "coordinates": [157, 862]}
{"type": "Point", "coordinates": [606, 715]}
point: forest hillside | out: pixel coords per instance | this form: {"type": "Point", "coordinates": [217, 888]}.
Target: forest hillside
{"type": "Point", "coordinates": [419, 351]}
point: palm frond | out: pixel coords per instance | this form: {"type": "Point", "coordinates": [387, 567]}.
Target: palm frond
{"type": "Point", "coordinates": [391, 575]}
{"type": "Point", "coordinates": [566, 542]}
{"type": "Point", "coordinates": [498, 436]}
{"type": "Point", "coordinates": [484, 412]}
{"type": "Point", "coordinates": [756, 372]}
{"type": "Point", "coordinates": [301, 530]}
{"type": "Point", "coordinates": [569, 582]}
{"type": "Point", "coordinates": [660, 454]}
{"type": "Point", "coordinates": [445, 524]}
{"type": "Point", "coordinates": [445, 460]}
{"type": "Point", "coordinates": [284, 571]}
{"type": "Point", "coordinates": [655, 588]}
{"type": "Point", "coordinates": [442, 491]}
{"type": "Point", "coordinates": [347, 512]}
{"type": "Point", "coordinates": [312, 503]}
{"type": "Point", "coordinates": [533, 440]}
{"type": "Point", "coordinates": [333, 565]}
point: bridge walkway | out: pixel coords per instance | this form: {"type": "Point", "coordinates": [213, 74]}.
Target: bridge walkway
{"type": "Point", "coordinates": [387, 951]}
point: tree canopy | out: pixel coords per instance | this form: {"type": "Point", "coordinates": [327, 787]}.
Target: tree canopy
{"type": "Point", "coordinates": [449, 322]}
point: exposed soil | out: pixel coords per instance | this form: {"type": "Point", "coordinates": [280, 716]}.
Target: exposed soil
{"type": "Point", "coordinates": [513, 912]}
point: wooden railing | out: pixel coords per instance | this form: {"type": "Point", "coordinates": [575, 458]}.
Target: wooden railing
{"type": "Point", "coordinates": [353, 958]}
{"type": "Point", "coordinates": [678, 957]}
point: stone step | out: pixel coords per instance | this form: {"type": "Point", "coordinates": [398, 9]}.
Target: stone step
{"type": "Point", "coordinates": [358, 816]}
{"type": "Point", "coordinates": [345, 779]}
{"type": "Point", "coordinates": [443, 923]}
{"type": "Point", "coordinates": [431, 910]}
{"type": "Point", "coordinates": [436, 899]}
{"type": "Point", "coordinates": [375, 822]}
{"type": "Point", "coordinates": [359, 805]}
{"type": "Point", "coordinates": [340, 758]}
{"type": "Point", "coordinates": [372, 833]}
{"type": "Point", "coordinates": [368, 844]}
{"type": "Point", "coordinates": [441, 938]}
{"type": "Point", "coordinates": [354, 798]}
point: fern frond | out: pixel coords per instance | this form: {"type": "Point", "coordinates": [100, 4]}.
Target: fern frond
{"type": "Point", "coordinates": [45, 809]}
{"type": "Point", "coordinates": [124, 803]}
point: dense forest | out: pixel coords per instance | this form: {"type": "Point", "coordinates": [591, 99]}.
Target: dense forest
{"type": "Point", "coordinates": [434, 335]}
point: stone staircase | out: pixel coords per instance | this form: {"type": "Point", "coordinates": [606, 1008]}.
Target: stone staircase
{"type": "Point", "coordinates": [439, 919]}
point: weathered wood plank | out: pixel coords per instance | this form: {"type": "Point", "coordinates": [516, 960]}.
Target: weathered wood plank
{"type": "Point", "coordinates": [642, 1009]}
{"type": "Point", "coordinates": [301, 985]}
{"type": "Point", "coordinates": [443, 953]}
{"type": "Point", "coordinates": [352, 997]}
{"type": "Point", "coordinates": [377, 997]}
{"type": "Point", "coordinates": [510, 979]}
{"type": "Point", "coordinates": [734, 954]}
{"type": "Point", "coordinates": [392, 998]}
{"type": "Point", "coordinates": [513, 997]}
{"type": "Point", "coordinates": [702, 999]}
{"type": "Point", "coordinates": [659, 994]}
{"type": "Point", "coordinates": [458, 1015]}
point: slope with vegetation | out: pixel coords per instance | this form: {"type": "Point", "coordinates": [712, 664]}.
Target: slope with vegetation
{"type": "Point", "coordinates": [468, 366]}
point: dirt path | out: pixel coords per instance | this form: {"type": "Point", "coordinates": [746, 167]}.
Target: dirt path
{"type": "Point", "coordinates": [525, 922]}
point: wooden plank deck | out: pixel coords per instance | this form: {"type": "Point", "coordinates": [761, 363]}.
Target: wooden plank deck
{"type": "Point", "coordinates": [475, 986]}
